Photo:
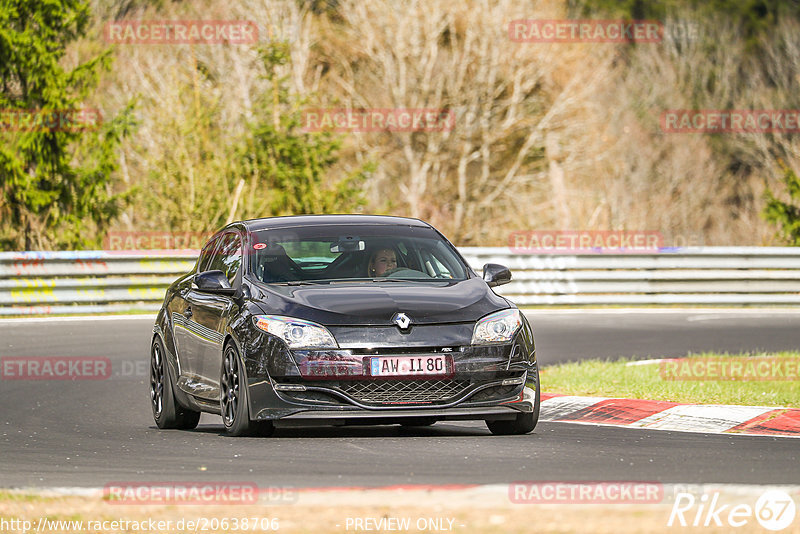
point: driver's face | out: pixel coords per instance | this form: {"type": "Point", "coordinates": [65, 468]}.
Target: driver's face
{"type": "Point", "coordinates": [385, 260]}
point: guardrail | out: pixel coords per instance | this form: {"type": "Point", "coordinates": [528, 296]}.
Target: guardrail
{"type": "Point", "coordinates": [41, 283]}
{"type": "Point", "coordinates": [697, 276]}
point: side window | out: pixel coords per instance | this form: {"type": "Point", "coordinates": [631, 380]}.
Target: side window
{"type": "Point", "coordinates": [228, 256]}
{"type": "Point", "coordinates": [205, 255]}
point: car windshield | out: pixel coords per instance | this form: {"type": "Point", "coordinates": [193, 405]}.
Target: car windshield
{"type": "Point", "coordinates": [326, 254]}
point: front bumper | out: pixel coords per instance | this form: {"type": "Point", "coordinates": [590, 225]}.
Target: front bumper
{"type": "Point", "coordinates": [322, 404]}
{"type": "Point", "coordinates": [390, 417]}
{"type": "Point", "coordinates": [335, 387]}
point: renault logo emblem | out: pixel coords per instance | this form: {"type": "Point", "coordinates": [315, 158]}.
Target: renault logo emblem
{"type": "Point", "coordinates": [402, 320]}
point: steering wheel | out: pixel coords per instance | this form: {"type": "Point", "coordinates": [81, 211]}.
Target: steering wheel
{"type": "Point", "coordinates": [405, 272]}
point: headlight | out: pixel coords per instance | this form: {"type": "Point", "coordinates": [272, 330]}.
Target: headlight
{"type": "Point", "coordinates": [297, 333]}
{"type": "Point", "coordinates": [498, 327]}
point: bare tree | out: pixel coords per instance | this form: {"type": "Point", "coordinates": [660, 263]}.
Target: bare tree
{"type": "Point", "coordinates": [481, 177]}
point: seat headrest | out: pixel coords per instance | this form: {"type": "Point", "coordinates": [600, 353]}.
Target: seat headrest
{"type": "Point", "coordinates": [273, 251]}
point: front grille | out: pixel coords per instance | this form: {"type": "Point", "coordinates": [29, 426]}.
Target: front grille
{"type": "Point", "coordinates": [403, 391]}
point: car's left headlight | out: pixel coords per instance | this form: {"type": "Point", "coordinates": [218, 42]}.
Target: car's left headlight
{"type": "Point", "coordinates": [297, 333]}
{"type": "Point", "coordinates": [497, 327]}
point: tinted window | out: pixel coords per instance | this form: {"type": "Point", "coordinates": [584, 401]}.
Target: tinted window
{"type": "Point", "coordinates": [205, 255]}
{"type": "Point", "coordinates": [228, 256]}
{"type": "Point", "coordinates": [326, 253]}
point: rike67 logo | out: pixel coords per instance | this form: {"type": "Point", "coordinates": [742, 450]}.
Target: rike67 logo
{"type": "Point", "coordinates": [774, 510]}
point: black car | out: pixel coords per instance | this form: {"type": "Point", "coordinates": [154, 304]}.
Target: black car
{"type": "Point", "coordinates": [340, 319]}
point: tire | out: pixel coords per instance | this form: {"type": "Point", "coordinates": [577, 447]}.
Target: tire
{"type": "Point", "coordinates": [422, 421]}
{"type": "Point", "coordinates": [233, 398]}
{"type": "Point", "coordinates": [167, 413]}
{"type": "Point", "coordinates": [524, 422]}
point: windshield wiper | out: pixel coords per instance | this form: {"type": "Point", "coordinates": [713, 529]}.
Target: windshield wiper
{"type": "Point", "coordinates": [403, 279]}
{"type": "Point", "coordinates": [301, 282]}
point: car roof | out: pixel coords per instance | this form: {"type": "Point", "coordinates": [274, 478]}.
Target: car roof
{"type": "Point", "coordinates": [269, 223]}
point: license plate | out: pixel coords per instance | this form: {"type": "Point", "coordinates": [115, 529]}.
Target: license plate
{"type": "Point", "coordinates": [408, 365]}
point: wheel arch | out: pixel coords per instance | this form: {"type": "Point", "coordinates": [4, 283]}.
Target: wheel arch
{"type": "Point", "coordinates": [172, 368]}
{"type": "Point", "coordinates": [230, 339]}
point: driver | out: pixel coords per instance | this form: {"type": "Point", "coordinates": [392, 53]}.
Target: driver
{"type": "Point", "coordinates": [381, 261]}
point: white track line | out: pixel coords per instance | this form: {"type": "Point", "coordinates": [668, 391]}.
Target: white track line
{"type": "Point", "coordinates": [84, 318]}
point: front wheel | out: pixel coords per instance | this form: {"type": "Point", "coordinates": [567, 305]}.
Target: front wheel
{"type": "Point", "coordinates": [167, 413]}
{"type": "Point", "coordinates": [524, 422]}
{"type": "Point", "coordinates": [233, 399]}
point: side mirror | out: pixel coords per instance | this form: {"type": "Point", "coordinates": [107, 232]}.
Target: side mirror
{"type": "Point", "coordinates": [213, 282]}
{"type": "Point", "coordinates": [496, 275]}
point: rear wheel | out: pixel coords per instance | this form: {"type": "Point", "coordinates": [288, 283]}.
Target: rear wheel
{"type": "Point", "coordinates": [167, 413]}
{"type": "Point", "coordinates": [524, 422]}
{"type": "Point", "coordinates": [233, 399]}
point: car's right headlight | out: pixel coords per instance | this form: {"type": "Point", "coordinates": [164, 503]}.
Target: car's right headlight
{"type": "Point", "coordinates": [297, 333]}
{"type": "Point", "coordinates": [497, 327]}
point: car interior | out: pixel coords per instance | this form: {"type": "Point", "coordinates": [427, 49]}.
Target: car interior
{"type": "Point", "coordinates": [273, 264]}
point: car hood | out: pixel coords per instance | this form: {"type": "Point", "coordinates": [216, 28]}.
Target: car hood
{"type": "Point", "coordinates": [376, 303]}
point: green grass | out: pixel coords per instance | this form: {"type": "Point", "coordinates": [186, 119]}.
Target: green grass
{"type": "Point", "coordinates": [618, 380]}
{"type": "Point", "coordinates": [8, 496]}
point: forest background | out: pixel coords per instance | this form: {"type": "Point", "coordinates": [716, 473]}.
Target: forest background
{"type": "Point", "coordinates": [547, 136]}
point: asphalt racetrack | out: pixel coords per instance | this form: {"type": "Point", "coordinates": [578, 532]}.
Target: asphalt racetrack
{"type": "Point", "coordinates": [96, 432]}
